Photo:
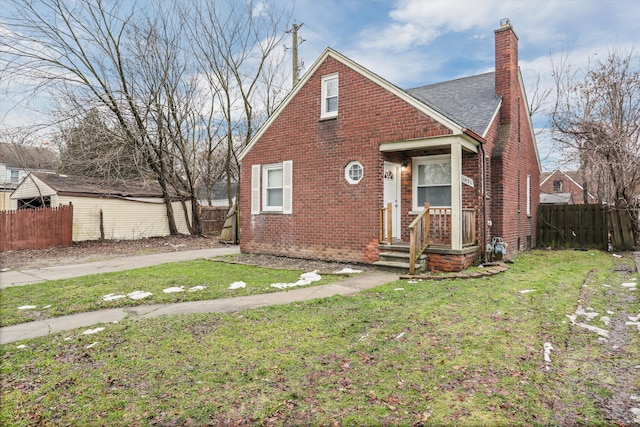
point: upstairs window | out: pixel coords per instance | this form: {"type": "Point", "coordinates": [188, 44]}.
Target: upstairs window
{"type": "Point", "coordinates": [329, 96]}
{"type": "Point", "coordinates": [557, 186]}
{"type": "Point", "coordinates": [15, 176]}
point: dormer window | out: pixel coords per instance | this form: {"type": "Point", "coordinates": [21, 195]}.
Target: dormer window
{"type": "Point", "coordinates": [329, 96]}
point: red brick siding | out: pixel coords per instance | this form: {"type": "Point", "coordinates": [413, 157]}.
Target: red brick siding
{"type": "Point", "coordinates": [450, 262]}
{"type": "Point", "coordinates": [568, 186]}
{"type": "Point", "coordinates": [516, 159]}
{"type": "Point", "coordinates": [331, 218]}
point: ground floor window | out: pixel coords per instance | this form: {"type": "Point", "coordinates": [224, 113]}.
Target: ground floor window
{"type": "Point", "coordinates": [431, 181]}
{"type": "Point", "coordinates": [272, 188]}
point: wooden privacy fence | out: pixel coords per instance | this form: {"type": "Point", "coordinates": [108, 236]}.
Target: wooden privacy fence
{"type": "Point", "coordinates": [36, 228]}
{"type": "Point", "coordinates": [212, 218]}
{"type": "Point", "coordinates": [585, 226]}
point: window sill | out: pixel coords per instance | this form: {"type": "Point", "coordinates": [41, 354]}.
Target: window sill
{"type": "Point", "coordinates": [326, 118]}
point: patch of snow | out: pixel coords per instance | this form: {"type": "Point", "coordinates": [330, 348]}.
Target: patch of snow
{"type": "Point", "coordinates": [413, 282]}
{"type": "Point", "coordinates": [399, 289]}
{"type": "Point", "coordinates": [68, 339]}
{"type": "Point", "coordinates": [136, 295]}
{"type": "Point", "coordinates": [610, 312]}
{"type": "Point", "coordinates": [602, 332]}
{"type": "Point", "coordinates": [112, 297]}
{"type": "Point", "coordinates": [362, 338]}
{"type": "Point", "coordinates": [588, 313]}
{"type": "Point", "coordinates": [629, 284]}
{"type": "Point", "coordinates": [634, 318]}
{"type": "Point", "coordinates": [22, 346]}
{"type": "Point", "coordinates": [305, 279]}
{"type": "Point", "coordinates": [633, 324]}
{"type": "Point", "coordinates": [634, 397]}
{"type": "Point", "coordinates": [526, 291]}
{"type": "Point", "coordinates": [547, 351]}
{"type": "Point", "coordinates": [197, 288]}
{"type": "Point", "coordinates": [27, 307]}
{"type": "Point", "coordinates": [636, 413]}
{"type": "Point", "coordinates": [617, 256]}
{"type": "Point", "coordinates": [46, 306]}
{"type": "Point", "coordinates": [93, 344]}
{"type": "Point", "coordinates": [173, 290]}
{"type": "Point", "coordinates": [606, 286]}
{"type": "Point", "coordinates": [348, 270]}
{"type": "Point", "coordinates": [400, 335]}
{"type": "Point", "coordinates": [606, 320]}
{"type": "Point", "coordinates": [237, 285]}
{"type": "Point", "coordinates": [93, 331]}
{"type": "Point", "coordinates": [3, 270]}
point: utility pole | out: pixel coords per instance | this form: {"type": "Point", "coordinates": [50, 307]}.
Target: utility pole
{"type": "Point", "coordinates": [294, 40]}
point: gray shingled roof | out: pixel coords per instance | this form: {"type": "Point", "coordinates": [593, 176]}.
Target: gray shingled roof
{"type": "Point", "coordinates": [471, 102]}
{"type": "Point", "coordinates": [28, 157]}
{"type": "Point", "coordinates": [68, 184]}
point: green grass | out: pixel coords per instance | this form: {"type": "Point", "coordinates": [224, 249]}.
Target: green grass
{"type": "Point", "coordinates": [453, 352]}
{"type": "Point", "coordinates": [86, 293]}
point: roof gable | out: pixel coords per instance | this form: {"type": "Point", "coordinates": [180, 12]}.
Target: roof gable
{"type": "Point", "coordinates": [330, 53]}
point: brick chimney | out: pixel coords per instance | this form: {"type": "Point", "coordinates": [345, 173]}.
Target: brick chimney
{"type": "Point", "coordinates": [507, 70]}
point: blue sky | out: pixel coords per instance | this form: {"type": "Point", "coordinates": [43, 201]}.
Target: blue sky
{"type": "Point", "coordinates": [417, 42]}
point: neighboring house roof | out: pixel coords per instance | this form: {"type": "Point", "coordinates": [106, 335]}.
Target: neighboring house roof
{"type": "Point", "coordinates": [96, 187]}
{"type": "Point", "coordinates": [18, 156]}
{"type": "Point", "coordinates": [470, 101]}
{"type": "Point", "coordinates": [574, 176]}
{"type": "Point", "coordinates": [555, 198]}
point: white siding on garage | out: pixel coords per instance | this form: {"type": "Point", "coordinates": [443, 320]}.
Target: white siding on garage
{"type": "Point", "coordinates": [122, 219]}
{"type": "Point", "coordinates": [30, 188]}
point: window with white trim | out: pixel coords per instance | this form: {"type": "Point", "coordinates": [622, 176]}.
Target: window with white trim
{"type": "Point", "coordinates": [431, 181]}
{"type": "Point", "coordinates": [528, 195]}
{"type": "Point", "coordinates": [329, 107]}
{"type": "Point", "coordinates": [271, 188]}
{"type": "Point", "coordinates": [354, 172]}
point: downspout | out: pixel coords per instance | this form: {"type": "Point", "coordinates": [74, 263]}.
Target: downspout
{"type": "Point", "coordinates": [484, 205]}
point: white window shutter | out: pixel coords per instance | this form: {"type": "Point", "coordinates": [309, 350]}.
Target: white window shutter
{"type": "Point", "coordinates": [287, 187]}
{"type": "Point", "coordinates": [255, 189]}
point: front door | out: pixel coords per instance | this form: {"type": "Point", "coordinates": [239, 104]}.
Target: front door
{"type": "Point", "coordinates": [392, 194]}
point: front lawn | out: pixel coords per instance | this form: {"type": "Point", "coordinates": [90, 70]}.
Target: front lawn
{"type": "Point", "coordinates": [452, 352]}
{"type": "Point", "coordinates": [183, 281]}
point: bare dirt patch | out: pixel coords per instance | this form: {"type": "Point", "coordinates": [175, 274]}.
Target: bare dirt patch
{"type": "Point", "coordinates": [90, 251]}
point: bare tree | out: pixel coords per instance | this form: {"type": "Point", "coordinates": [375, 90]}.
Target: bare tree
{"type": "Point", "coordinates": [136, 68]}
{"type": "Point", "coordinates": [90, 147]}
{"type": "Point", "coordinates": [597, 117]}
{"type": "Point", "coordinates": [236, 44]}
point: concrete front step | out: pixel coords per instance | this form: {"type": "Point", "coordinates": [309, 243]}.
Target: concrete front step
{"type": "Point", "coordinates": [398, 261]}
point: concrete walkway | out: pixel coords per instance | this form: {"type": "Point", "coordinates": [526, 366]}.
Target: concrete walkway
{"type": "Point", "coordinates": [40, 328]}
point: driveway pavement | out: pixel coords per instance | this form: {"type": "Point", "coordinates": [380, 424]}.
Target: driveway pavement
{"type": "Point", "coordinates": [39, 328]}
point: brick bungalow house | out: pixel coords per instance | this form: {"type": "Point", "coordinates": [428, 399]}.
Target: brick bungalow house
{"type": "Point", "coordinates": [563, 187]}
{"type": "Point", "coordinates": [344, 167]}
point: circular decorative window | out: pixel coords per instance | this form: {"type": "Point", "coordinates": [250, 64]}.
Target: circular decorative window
{"type": "Point", "coordinates": [353, 172]}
